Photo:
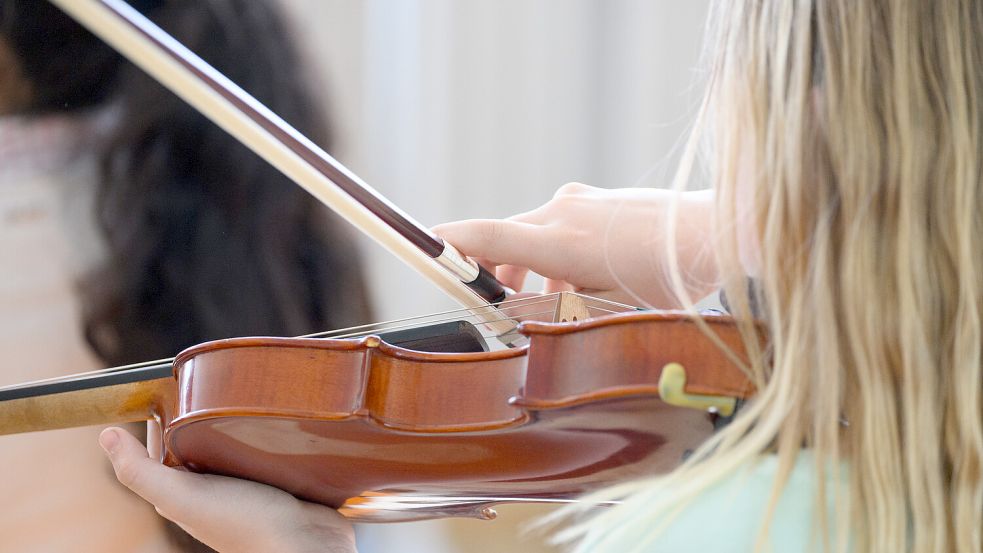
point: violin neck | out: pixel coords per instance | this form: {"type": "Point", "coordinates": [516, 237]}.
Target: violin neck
{"type": "Point", "coordinates": [111, 398]}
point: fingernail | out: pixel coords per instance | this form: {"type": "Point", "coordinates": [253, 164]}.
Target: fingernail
{"type": "Point", "coordinates": [109, 439]}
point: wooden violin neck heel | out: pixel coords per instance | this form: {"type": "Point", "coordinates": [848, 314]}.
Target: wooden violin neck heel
{"type": "Point", "coordinates": [127, 402]}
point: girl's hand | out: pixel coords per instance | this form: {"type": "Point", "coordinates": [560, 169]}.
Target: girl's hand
{"type": "Point", "coordinates": [605, 243]}
{"type": "Point", "coordinates": [227, 514]}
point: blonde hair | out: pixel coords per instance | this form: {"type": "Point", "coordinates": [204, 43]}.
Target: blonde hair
{"type": "Point", "coordinates": [848, 137]}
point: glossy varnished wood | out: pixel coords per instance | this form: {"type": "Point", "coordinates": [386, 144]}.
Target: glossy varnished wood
{"type": "Point", "coordinates": [387, 433]}
{"type": "Point", "coordinates": [624, 354]}
{"type": "Point", "coordinates": [357, 423]}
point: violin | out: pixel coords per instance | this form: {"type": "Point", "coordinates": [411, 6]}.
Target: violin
{"type": "Point", "coordinates": [389, 432]}
{"type": "Point", "coordinates": [537, 399]}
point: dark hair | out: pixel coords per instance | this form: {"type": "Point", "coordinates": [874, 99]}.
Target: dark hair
{"type": "Point", "coordinates": [206, 240]}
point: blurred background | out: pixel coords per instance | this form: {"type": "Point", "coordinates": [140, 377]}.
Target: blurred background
{"type": "Point", "coordinates": [483, 108]}
{"type": "Point", "coordinates": [451, 109]}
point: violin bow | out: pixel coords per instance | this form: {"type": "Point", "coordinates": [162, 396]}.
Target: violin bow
{"type": "Point", "coordinates": [250, 122]}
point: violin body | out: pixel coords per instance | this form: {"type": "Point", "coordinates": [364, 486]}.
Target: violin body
{"type": "Point", "coordinates": [385, 433]}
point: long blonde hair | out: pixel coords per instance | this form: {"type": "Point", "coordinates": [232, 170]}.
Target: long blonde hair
{"type": "Point", "coordinates": [848, 137]}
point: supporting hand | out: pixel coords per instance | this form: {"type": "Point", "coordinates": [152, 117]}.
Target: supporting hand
{"type": "Point", "coordinates": [227, 514]}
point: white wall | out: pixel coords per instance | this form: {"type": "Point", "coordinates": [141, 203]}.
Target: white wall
{"type": "Point", "coordinates": [482, 108]}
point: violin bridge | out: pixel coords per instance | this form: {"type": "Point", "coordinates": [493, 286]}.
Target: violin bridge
{"type": "Point", "coordinates": [570, 307]}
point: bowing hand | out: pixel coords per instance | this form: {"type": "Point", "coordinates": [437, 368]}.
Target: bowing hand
{"type": "Point", "coordinates": [608, 243]}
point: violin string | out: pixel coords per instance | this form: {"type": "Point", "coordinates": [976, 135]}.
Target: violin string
{"type": "Point", "coordinates": [435, 321]}
{"type": "Point", "coordinates": [390, 326]}
{"type": "Point", "coordinates": [387, 325]}
{"type": "Point", "coordinates": [605, 311]}
{"type": "Point", "coordinates": [352, 331]}
{"type": "Point", "coordinates": [621, 308]}
{"type": "Point", "coordinates": [434, 318]}
{"type": "Point", "coordinates": [361, 330]}
{"type": "Point", "coordinates": [356, 331]}
{"type": "Point", "coordinates": [512, 305]}
{"type": "Point", "coordinates": [400, 324]}
{"type": "Point", "coordinates": [454, 315]}
{"type": "Point", "coordinates": [83, 375]}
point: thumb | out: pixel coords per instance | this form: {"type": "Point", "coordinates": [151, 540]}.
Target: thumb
{"type": "Point", "coordinates": [171, 491]}
{"type": "Point", "coordinates": [137, 471]}
{"type": "Point", "coordinates": [192, 501]}
{"type": "Point", "coordinates": [227, 514]}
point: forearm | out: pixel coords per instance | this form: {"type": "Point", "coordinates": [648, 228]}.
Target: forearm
{"type": "Point", "coordinates": [637, 245]}
{"type": "Point", "coordinates": [693, 245]}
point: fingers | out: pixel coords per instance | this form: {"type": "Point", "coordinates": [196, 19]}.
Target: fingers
{"type": "Point", "coordinates": [541, 249]}
{"type": "Point", "coordinates": [144, 476]}
{"type": "Point", "coordinates": [512, 276]}
{"type": "Point", "coordinates": [179, 496]}
{"type": "Point", "coordinates": [227, 514]}
{"type": "Point", "coordinates": [492, 243]}
{"type": "Point", "coordinates": [493, 239]}
{"type": "Point", "coordinates": [559, 240]}
{"type": "Point", "coordinates": [552, 286]}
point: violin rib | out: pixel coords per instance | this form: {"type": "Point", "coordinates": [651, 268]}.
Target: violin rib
{"type": "Point", "coordinates": [387, 434]}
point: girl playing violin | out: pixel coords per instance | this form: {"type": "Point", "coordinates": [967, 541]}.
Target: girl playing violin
{"type": "Point", "coordinates": [843, 139]}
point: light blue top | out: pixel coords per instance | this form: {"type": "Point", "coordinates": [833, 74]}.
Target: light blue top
{"type": "Point", "coordinates": [727, 517]}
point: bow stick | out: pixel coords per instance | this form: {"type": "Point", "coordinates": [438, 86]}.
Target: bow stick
{"type": "Point", "coordinates": [249, 121]}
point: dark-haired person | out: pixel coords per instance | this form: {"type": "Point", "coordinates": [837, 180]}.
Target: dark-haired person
{"type": "Point", "coordinates": [130, 228]}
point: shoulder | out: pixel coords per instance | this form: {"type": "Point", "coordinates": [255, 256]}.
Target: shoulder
{"type": "Point", "coordinates": [727, 517]}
